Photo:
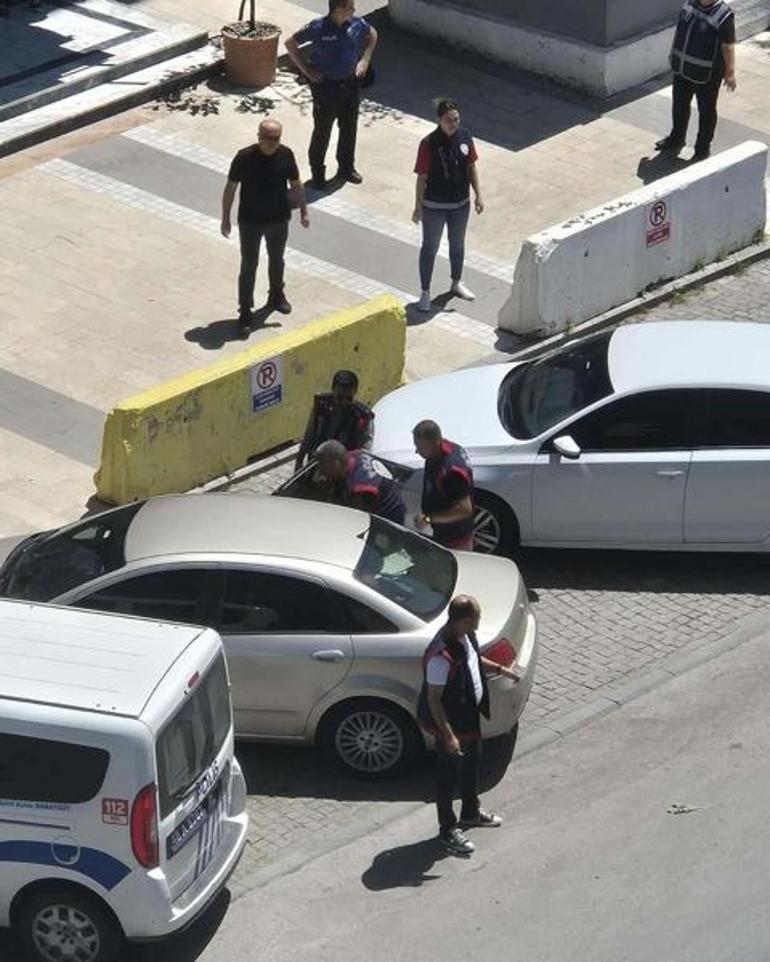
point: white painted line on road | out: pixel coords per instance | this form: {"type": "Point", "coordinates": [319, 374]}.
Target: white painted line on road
{"type": "Point", "coordinates": [405, 232]}
{"type": "Point", "coordinates": [365, 287]}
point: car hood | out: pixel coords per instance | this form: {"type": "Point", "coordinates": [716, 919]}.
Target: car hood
{"type": "Point", "coordinates": [463, 403]}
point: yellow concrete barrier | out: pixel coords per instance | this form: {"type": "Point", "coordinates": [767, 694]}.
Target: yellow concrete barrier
{"type": "Point", "coordinates": [205, 424]}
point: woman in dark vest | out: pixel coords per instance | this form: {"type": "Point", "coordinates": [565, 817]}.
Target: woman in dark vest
{"type": "Point", "coordinates": [446, 170]}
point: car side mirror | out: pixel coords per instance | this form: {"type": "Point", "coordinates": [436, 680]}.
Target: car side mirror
{"type": "Point", "coordinates": [567, 447]}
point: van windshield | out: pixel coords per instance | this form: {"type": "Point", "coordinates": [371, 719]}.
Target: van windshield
{"type": "Point", "coordinates": [58, 561]}
{"type": "Point", "coordinates": [192, 739]}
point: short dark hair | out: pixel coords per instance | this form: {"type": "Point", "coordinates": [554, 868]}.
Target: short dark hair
{"type": "Point", "coordinates": [461, 607]}
{"type": "Point", "coordinates": [444, 105]}
{"type": "Point", "coordinates": [335, 4]}
{"type": "Point", "coordinates": [346, 379]}
{"type": "Point", "coordinates": [427, 431]}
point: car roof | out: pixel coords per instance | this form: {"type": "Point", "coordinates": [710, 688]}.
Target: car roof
{"type": "Point", "coordinates": [221, 523]}
{"type": "Point", "coordinates": [85, 660]}
{"type": "Point", "coordinates": [726, 354]}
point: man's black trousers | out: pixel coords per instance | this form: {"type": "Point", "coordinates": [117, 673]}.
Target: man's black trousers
{"type": "Point", "coordinates": [276, 235]}
{"type": "Point", "coordinates": [453, 771]}
{"type": "Point", "coordinates": [706, 95]}
{"type": "Point", "coordinates": [334, 100]}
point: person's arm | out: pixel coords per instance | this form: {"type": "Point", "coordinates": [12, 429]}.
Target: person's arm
{"type": "Point", "coordinates": [728, 50]}
{"type": "Point", "coordinates": [228, 196]}
{"type": "Point", "coordinates": [450, 740]}
{"type": "Point", "coordinates": [292, 48]}
{"type": "Point", "coordinates": [473, 174]}
{"type": "Point", "coordinates": [493, 668]}
{"type": "Point", "coordinates": [306, 441]}
{"type": "Point", "coordinates": [458, 511]}
{"type": "Point", "coordinates": [371, 42]}
{"type": "Point", "coordinates": [419, 197]}
{"type": "Point", "coordinates": [297, 194]}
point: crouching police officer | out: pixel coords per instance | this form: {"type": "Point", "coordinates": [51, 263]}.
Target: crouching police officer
{"type": "Point", "coordinates": [702, 56]}
{"type": "Point", "coordinates": [337, 416]}
{"type": "Point", "coordinates": [361, 481]}
{"type": "Point", "coordinates": [447, 488]}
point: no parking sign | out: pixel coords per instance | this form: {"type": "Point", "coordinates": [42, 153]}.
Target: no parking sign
{"type": "Point", "coordinates": [266, 384]}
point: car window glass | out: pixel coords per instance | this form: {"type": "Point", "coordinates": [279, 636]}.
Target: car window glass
{"type": "Point", "coordinates": [179, 595]}
{"type": "Point", "coordinates": [257, 602]}
{"type": "Point", "coordinates": [737, 419]}
{"type": "Point", "coordinates": [653, 421]}
{"type": "Point", "coordinates": [44, 770]}
{"type": "Point", "coordinates": [75, 555]}
{"type": "Point", "coordinates": [361, 619]}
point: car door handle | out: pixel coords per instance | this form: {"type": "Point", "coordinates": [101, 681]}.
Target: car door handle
{"type": "Point", "coordinates": [673, 473]}
{"type": "Point", "coordinates": [332, 654]}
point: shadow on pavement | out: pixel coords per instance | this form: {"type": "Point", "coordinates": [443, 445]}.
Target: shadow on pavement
{"type": "Point", "coordinates": [306, 772]}
{"type": "Point", "coordinates": [661, 165]}
{"type": "Point", "coordinates": [218, 333]}
{"type": "Point", "coordinates": [407, 866]}
{"type": "Point", "coordinates": [186, 947]}
{"type": "Point", "coordinates": [646, 571]}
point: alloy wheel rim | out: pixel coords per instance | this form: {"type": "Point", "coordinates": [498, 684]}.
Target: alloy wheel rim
{"type": "Point", "coordinates": [62, 933]}
{"type": "Point", "coordinates": [369, 741]}
{"type": "Point", "coordinates": [486, 532]}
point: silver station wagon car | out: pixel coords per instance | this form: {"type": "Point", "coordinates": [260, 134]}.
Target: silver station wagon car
{"type": "Point", "coordinates": [653, 435]}
{"type": "Point", "coordinates": [324, 611]}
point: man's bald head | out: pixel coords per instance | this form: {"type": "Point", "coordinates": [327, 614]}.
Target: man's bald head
{"type": "Point", "coordinates": [269, 135]}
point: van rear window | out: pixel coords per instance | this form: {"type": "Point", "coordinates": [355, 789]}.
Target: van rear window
{"type": "Point", "coordinates": [191, 740]}
{"type": "Point", "coordinates": [43, 770]}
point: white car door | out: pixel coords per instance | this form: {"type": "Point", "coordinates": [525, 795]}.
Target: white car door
{"type": "Point", "coordinates": [727, 491]}
{"type": "Point", "coordinates": [627, 483]}
{"type": "Point", "coordinates": [284, 648]}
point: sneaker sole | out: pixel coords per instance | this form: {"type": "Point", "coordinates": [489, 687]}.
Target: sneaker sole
{"type": "Point", "coordinates": [453, 850]}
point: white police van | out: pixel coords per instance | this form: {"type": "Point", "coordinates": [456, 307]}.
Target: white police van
{"type": "Point", "coordinates": [122, 807]}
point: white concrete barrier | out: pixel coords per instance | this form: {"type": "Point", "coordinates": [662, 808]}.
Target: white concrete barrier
{"type": "Point", "coordinates": [610, 255]}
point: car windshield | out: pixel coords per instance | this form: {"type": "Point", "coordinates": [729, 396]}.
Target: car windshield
{"type": "Point", "coordinates": [405, 568]}
{"type": "Point", "coordinates": [536, 396]}
{"type": "Point", "coordinates": [69, 557]}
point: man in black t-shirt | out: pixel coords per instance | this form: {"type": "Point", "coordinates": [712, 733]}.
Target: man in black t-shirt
{"type": "Point", "coordinates": [265, 171]}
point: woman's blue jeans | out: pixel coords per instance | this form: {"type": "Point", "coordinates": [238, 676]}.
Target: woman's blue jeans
{"type": "Point", "coordinates": [433, 222]}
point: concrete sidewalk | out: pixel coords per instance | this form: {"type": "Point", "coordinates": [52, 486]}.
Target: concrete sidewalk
{"type": "Point", "coordinates": [113, 275]}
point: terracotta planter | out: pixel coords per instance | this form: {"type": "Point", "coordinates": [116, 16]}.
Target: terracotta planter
{"type": "Point", "coordinates": [250, 61]}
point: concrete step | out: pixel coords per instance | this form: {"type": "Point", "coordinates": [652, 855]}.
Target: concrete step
{"type": "Point", "coordinates": [108, 98]}
{"type": "Point", "coordinates": [751, 17]}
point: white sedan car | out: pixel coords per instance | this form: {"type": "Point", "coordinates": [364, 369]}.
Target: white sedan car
{"type": "Point", "coordinates": [653, 435]}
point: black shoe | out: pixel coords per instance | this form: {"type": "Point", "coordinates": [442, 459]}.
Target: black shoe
{"type": "Point", "coordinates": [351, 176]}
{"type": "Point", "coordinates": [319, 181]}
{"type": "Point", "coordinates": [244, 324]}
{"type": "Point", "coordinates": [279, 303]}
{"type": "Point", "coordinates": [668, 146]}
{"type": "Point", "coordinates": [700, 154]}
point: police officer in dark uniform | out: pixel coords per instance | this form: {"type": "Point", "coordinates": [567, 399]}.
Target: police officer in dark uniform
{"type": "Point", "coordinates": [447, 488]}
{"type": "Point", "coordinates": [337, 416]}
{"type": "Point", "coordinates": [341, 52]}
{"type": "Point", "coordinates": [702, 57]}
{"type": "Point", "coordinates": [361, 481]}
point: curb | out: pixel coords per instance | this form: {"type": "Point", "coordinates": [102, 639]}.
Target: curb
{"type": "Point", "coordinates": [614, 697]}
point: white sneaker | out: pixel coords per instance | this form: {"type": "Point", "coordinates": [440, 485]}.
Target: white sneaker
{"type": "Point", "coordinates": [462, 291]}
{"type": "Point", "coordinates": [424, 302]}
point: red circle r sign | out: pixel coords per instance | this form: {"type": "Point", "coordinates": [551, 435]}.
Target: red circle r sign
{"type": "Point", "coordinates": [658, 213]}
{"type": "Point", "coordinates": [266, 375]}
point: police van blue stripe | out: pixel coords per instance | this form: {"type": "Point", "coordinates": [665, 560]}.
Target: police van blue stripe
{"type": "Point", "coordinates": [99, 866]}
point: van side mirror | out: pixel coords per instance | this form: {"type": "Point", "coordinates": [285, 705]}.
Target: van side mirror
{"type": "Point", "coordinates": [567, 447]}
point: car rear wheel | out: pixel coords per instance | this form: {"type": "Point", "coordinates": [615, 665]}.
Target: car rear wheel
{"type": "Point", "coordinates": [372, 738]}
{"type": "Point", "coordinates": [495, 530]}
{"type": "Point", "coordinates": [60, 924]}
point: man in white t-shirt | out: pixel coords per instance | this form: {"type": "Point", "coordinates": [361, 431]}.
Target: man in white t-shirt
{"type": "Point", "coordinates": [454, 697]}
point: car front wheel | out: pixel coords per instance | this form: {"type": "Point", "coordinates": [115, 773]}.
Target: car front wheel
{"type": "Point", "coordinates": [372, 738]}
{"type": "Point", "coordinates": [494, 526]}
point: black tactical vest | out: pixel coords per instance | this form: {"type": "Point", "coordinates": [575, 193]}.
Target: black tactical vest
{"type": "Point", "coordinates": [696, 48]}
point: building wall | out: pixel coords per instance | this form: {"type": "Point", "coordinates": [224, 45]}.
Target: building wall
{"type": "Point", "coordinates": [600, 22]}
